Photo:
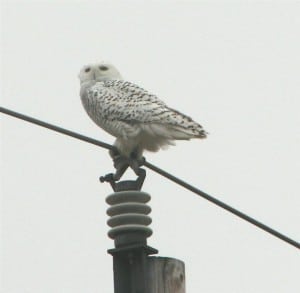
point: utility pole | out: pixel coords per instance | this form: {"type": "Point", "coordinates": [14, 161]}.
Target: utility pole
{"type": "Point", "coordinates": [135, 270]}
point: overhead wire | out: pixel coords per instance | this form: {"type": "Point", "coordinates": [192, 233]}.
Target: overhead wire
{"type": "Point", "coordinates": [157, 170]}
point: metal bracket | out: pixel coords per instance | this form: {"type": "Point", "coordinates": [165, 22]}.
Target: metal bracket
{"type": "Point", "coordinates": [126, 184]}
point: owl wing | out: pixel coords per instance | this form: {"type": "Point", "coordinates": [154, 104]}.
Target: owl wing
{"type": "Point", "coordinates": [128, 103]}
{"type": "Point", "coordinates": [124, 101]}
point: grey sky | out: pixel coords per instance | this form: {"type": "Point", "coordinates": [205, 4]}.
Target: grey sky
{"type": "Point", "coordinates": [232, 66]}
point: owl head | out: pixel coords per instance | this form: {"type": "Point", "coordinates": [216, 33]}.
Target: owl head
{"type": "Point", "coordinates": [99, 72]}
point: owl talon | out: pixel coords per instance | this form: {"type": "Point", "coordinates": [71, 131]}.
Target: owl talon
{"type": "Point", "coordinates": [121, 164]}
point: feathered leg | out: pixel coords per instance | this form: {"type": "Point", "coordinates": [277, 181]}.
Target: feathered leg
{"type": "Point", "coordinates": [136, 160]}
{"type": "Point", "coordinates": [121, 164]}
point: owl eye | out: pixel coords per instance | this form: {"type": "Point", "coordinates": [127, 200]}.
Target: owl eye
{"type": "Point", "coordinates": [87, 69]}
{"type": "Point", "coordinates": [103, 68]}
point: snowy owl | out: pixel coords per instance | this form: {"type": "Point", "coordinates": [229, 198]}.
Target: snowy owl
{"type": "Point", "coordinates": [138, 119]}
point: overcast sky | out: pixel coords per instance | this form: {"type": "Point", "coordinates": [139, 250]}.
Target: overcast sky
{"type": "Point", "coordinates": [232, 66]}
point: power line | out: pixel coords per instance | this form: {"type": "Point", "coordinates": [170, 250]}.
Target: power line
{"type": "Point", "coordinates": [157, 170]}
{"type": "Point", "coordinates": [56, 128]}
{"type": "Point", "coordinates": [223, 205]}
